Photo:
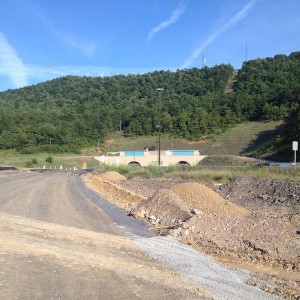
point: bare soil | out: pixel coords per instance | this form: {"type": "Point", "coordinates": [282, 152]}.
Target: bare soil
{"type": "Point", "coordinates": [249, 223]}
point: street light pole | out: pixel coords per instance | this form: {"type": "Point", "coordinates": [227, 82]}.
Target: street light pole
{"type": "Point", "coordinates": [159, 122]}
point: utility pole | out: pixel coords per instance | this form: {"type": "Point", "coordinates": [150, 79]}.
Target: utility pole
{"type": "Point", "coordinates": [159, 121]}
{"type": "Point", "coordinates": [50, 140]}
{"type": "Point", "coordinates": [246, 51]}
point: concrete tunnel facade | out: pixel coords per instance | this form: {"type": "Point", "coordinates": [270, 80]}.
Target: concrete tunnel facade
{"type": "Point", "coordinates": [147, 158]}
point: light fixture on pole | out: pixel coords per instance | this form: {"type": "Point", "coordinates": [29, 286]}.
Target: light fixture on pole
{"type": "Point", "coordinates": [159, 123]}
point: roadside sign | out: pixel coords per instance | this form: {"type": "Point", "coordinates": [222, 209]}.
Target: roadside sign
{"type": "Point", "coordinates": [295, 149]}
{"type": "Point", "coordinates": [295, 146]}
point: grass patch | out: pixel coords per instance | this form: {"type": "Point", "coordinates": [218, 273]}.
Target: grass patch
{"type": "Point", "coordinates": [245, 137]}
{"type": "Point", "coordinates": [208, 174]}
{"type": "Point", "coordinates": [204, 175]}
{"type": "Point", "coordinates": [12, 158]}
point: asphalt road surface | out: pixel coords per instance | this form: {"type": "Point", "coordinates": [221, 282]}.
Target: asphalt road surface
{"type": "Point", "coordinates": [55, 243]}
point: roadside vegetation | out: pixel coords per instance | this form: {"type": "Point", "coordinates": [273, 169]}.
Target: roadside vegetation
{"type": "Point", "coordinates": [223, 150]}
{"type": "Point", "coordinates": [220, 172]}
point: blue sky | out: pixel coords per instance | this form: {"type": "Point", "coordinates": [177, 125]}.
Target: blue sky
{"type": "Point", "coordinates": [45, 39]}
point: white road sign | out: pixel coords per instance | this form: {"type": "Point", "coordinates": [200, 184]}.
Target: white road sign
{"type": "Point", "coordinates": [295, 146]}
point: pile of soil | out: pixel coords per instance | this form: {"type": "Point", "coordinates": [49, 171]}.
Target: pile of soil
{"type": "Point", "coordinates": [111, 175]}
{"type": "Point", "coordinates": [163, 208]}
{"type": "Point", "coordinates": [180, 201]}
{"type": "Point", "coordinates": [266, 198]}
{"type": "Point", "coordinates": [198, 196]}
{"type": "Point", "coordinates": [266, 239]}
{"type": "Point", "coordinates": [249, 191]}
{"type": "Point", "coordinates": [112, 192]}
{"type": "Point", "coordinates": [244, 239]}
{"type": "Point", "coordinates": [147, 187]}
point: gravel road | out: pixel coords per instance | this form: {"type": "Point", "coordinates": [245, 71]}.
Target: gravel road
{"type": "Point", "coordinates": [59, 240]}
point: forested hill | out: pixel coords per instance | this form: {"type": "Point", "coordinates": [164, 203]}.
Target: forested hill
{"type": "Point", "coordinates": [76, 111]}
{"type": "Point", "coordinates": [79, 110]}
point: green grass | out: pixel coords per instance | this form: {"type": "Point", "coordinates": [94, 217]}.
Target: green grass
{"type": "Point", "coordinates": [246, 137]}
{"type": "Point", "coordinates": [11, 158]}
{"type": "Point", "coordinates": [208, 174]}
{"type": "Point", "coordinates": [220, 169]}
{"type": "Point", "coordinates": [242, 138]}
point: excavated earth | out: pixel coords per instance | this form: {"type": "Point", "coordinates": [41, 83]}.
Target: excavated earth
{"type": "Point", "coordinates": [249, 223]}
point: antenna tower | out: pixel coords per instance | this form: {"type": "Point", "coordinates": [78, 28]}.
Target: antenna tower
{"type": "Point", "coordinates": [203, 61]}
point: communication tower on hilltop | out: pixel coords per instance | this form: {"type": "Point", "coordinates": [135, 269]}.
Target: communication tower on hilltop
{"type": "Point", "coordinates": [203, 61]}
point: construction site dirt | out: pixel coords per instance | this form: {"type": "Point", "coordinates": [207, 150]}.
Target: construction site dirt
{"type": "Point", "coordinates": [249, 223]}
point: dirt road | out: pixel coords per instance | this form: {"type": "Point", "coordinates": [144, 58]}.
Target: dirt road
{"type": "Point", "coordinates": [57, 244]}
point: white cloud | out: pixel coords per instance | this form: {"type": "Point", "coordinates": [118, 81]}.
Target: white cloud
{"type": "Point", "coordinates": [231, 23]}
{"type": "Point", "coordinates": [11, 64]}
{"type": "Point", "coordinates": [176, 14]}
{"type": "Point", "coordinates": [89, 49]}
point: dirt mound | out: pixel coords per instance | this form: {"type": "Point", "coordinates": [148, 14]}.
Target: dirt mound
{"type": "Point", "coordinates": [113, 193]}
{"type": "Point", "coordinates": [250, 191]}
{"type": "Point", "coordinates": [245, 239]}
{"type": "Point", "coordinates": [265, 241]}
{"type": "Point", "coordinates": [147, 187]}
{"type": "Point", "coordinates": [163, 208]}
{"type": "Point", "coordinates": [198, 196]}
{"type": "Point", "coordinates": [112, 175]}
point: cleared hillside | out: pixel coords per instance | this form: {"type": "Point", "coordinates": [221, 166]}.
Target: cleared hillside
{"type": "Point", "coordinates": [243, 139]}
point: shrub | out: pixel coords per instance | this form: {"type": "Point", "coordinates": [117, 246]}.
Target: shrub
{"type": "Point", "coordinates": [28, 164]}
{"type": "Point", "coordinates": [49, 159]}
{"type": "Point", "coordinates": [155, 171]}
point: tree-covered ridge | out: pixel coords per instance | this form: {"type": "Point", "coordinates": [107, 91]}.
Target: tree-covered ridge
{"type": "Point", "coordinates": [76, 111]}
{"type": "Point", "coordinates": [72, 112]}
{"type": "Point", "coordinates": [269, 88]}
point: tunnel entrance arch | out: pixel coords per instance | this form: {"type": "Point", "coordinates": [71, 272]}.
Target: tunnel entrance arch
{"type": "Point", "coordinates": [134, 163]}
{"type": "Point", "coordinates": [183, 163]}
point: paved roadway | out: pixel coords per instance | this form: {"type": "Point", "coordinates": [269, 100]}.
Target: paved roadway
{"type": "Point", "coordinates": [57, 244]}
